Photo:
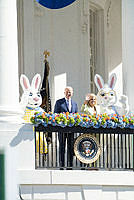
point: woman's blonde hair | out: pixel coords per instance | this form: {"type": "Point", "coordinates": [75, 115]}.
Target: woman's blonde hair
{"type": "Point", "coordinates": [89, 95]}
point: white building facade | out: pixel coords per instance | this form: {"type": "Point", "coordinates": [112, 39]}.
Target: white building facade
{"type": "Point", "coordinates": [84, 38]}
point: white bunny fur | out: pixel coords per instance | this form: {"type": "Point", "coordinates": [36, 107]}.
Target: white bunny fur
{"type": "Point", "coordinates": [31, 97]}
{"type": "Point", "coordinates": [107, 97]}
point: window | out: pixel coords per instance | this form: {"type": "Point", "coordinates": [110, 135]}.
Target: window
{"type": "Point", "coordinates": [93, 46]}
{"type": "Point", "coordinates": [96, 44]}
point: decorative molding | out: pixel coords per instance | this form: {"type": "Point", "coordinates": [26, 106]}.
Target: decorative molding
{"type": "Point", "coordinates": [85, 16]}
{"type": "Point", "coordinates": [38, 10]}
{"type": "Point", "coordinates": [84, 27]}
{"type": "Point", "coordinates": [85, 8]}
{"type": "Point", "coordinates": [98, 4]}
{"type": "Point", "coordinates": [108, 13]}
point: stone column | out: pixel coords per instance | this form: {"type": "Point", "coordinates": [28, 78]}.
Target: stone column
{"type": "Point", "coordinates": [15, 139]}
{"type": "Point", "coordinates": [9, 84]}
{"type": "Point", "coordinates": [128, 50]}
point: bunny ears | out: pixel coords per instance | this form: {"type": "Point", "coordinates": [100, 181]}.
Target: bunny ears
{"type": "Point", "coordinates": [25, 82]}
{"type": "Point", "coordinates": [100, 83]}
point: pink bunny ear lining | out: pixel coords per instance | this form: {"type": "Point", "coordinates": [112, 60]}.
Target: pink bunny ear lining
{"type": "Point", "coordinates": [112, 82]}
{"type": "Point", "coordinates": [25, 83]}
{"type": "Point", "coordinates": [36, 82]}
{"type": "Point", "coordinates": [99, 83]}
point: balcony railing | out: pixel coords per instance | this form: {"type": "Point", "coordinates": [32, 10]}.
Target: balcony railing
{"type": "Point", "coordinates": [116, 148]}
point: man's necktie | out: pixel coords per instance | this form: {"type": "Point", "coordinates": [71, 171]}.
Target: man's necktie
{"type": "Point", "coordinates": [67, 104]}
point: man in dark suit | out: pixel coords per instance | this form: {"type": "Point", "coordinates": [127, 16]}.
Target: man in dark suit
{"type": "Point", "coordinates": [66, 104]}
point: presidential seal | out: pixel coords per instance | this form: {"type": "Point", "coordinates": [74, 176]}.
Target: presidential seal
{"type": "Point", "coordinates": [87, 148]}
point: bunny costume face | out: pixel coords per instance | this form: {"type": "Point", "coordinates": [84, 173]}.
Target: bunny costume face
{"type": "Point", "coordinates": [31, 94]}
{"type": "Point", "coordinates": [107, 97]}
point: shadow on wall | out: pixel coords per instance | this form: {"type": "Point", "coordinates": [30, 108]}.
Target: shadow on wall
{"type": "Point", "coordinates": [118, 193]}
{"type": "Point", "coordinates": [53, 192]}
{"type": "Point", "coordinates": [77, 192]}
{"type": "Point", "coordinates": [23, 134]}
